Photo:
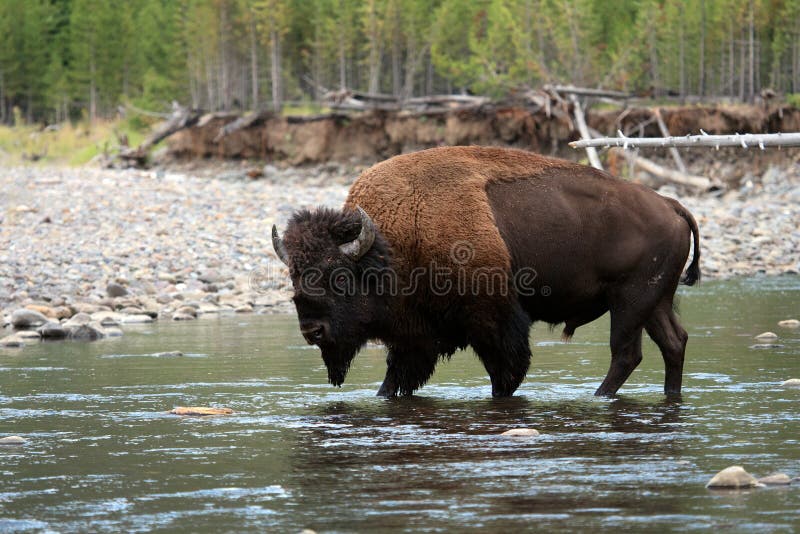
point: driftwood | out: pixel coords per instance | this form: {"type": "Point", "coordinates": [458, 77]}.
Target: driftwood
{"type": "Point", "coordinates": [594, 159]}
{"type": "Point", "coordinates": [179, 119]}
{"type": "Point", "coordinates": [743, 140]}
{"type": "Point", "coordinates": [695, 182]}
{"type": "Point", "coordinates": [585, 91]}
{"type": "Point", "coordinates": [665, 132]}
{"type": "Point", "coordinates": [245, 121]}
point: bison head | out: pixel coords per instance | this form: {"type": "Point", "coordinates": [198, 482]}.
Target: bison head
{"type": "Point", "coordinates": [330, 254]}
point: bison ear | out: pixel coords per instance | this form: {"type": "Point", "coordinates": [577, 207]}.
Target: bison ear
{"type": "Point", "coordinates": [279, 247]}
{"type": "Point", "coordinates": [357, 248]}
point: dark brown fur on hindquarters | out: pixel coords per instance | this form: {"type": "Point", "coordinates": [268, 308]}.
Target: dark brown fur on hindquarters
{"type": "Point", "coordinates": [594, 243]}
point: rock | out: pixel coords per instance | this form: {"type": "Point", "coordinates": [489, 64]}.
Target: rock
{"type": "Point", "coordinates": [210, 276]}
{"type": "Point", "coordinates": [789, 323]}
{"type": "Point", "coordinates": [207, 308]}
{"type": "Point", "coordinates": [136, 319]}
{"type": "Point", "coordinates": [78, 319]}
{"type": "Point", "coordinates": [732, 478]}
{"type": "Point", "coordinates": [86, 332]}
{"type": "Point", "coordinates": [131, 310]}
{"type": "Point", "coordinates": [29, 335]}
{"type": "Point", "coordinates": [12, 342]}
{"type": "Point", "coordinates": [187, 310]}
{"type": "Point", "coordinates": [246, 308]}
{"type": "Point", "coordinates": [792, 383]}
{"type": "Point", "coordinates": [112, 331]}
{"type": "Point", "coordinates": [521, 432]}
{"type": "Point", "coordinates": [168, 354]}
{"type": "Point", "coordinates": [183, 317]}
{"type": "Point", "coordinates": [62, 312]}
{"type": "Point", "coordinates": [167, 277]}
{"type": "Point", "coordinates": [12, 440]}
{"type": "Point", "coordinates": [116, 290]}
{"type": "Point", "coordinates": [47, 311]}
{"type": "Point", "coordinates": [85, 307]}
{"type": "Point", "coordinates": [767, 336]}
{"type": "Point", "coordinates": [200, 410]}
{"type": "Point", "coordinates": [762, 346]}
{"type": "Point", "coordinates": [107, 318]}
{"type": "Point", "coordinates": [24, 318]}
{"type": "Point", "coordinates": [778, 479]}
{"type": "Point", "coordinates": [52, 330]}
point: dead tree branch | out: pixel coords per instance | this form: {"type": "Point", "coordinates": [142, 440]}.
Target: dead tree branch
{"type": "Point", "coordinates": [743, 140]}
{"type": "Point", "coordinates": [695, 182]}
{"type": "Point", "coordinates": [594, 159]}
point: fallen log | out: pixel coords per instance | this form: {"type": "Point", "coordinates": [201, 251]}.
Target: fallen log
{"type": "Point", "coordinates": [695, 182]}
{"type": "Point", "coordinates": [586, 91]}
{"type": "Point", "coordinates": [245, 121]}
{"type": "Point", "coordinates": [180, 118]}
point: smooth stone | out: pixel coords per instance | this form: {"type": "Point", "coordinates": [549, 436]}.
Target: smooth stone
{"type": "Point", "coordinates": [767, 336]}
{"type": "Point", "coordinates": [12, 440]}
{"type": "Point", "coordinates": [789, 323]}
{"type": "Point", "coordinates": [761, 346]}
{"type": "Point", "coordinates": [86, 332]}
{"type": "Point", "coordinates": [79, 319]}
{"type": "Point", "coordinates": [47, 311]}
{"type": "Point", "coordinates": [521, 432]}
{"type": "Point", "coordinates": [244, 309]}
{"type": "Point", "coordinates": [137, 319]}
{"type": "Point", "coordinates": [733, 477]}
{"type": "Point", "coordinates": [85, 307]}
{"type": "Point", "coordinates": [116, 290]}
{"type": "Point", "coordinates": [29, 335]}
{"type": "Point", "coordinates": [112, 331]}
{"type": "Point", "coordinates": [12, 342]}
{"type": "Point", "coordinates": [62, 312]}
{"type": "Point", "coordinates": [792, 383]}
{"type": "Point", "coordinates": [24, 318]}
{"type": "Point", "coordinates": [183, 317]}
{"type": "Point", "coordinates": [131, 310]}
{"type": "Point", "coordinates": [200, 410]}
{"type": "Point", "coordinates": [52, 330]}
{"type": "Point", "coordinates": [778, 479]}
{"type": "Point", "coordinates": [187, 310]}
{"type": "Point", "coordinates": [210, 276]}
{"type": "Point", "coordinates": [207, 308]}
{"type": "Point", "coordinates": [107, 318]}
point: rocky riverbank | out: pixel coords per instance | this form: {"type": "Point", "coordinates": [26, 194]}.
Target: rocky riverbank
{"type": "Point", "coordinates": [86, 250]}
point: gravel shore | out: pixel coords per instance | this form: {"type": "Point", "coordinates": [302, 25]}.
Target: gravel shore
{"type": "Point", "coordinates": [176, 244]}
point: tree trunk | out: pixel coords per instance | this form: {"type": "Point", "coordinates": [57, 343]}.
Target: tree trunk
{"type": "Point", "coordinates": [253, 63]}
{"type": "Point", "coordinates": [277, 86]}
{"type": "Point", "coordinates": [682, 59]}
{"type": "Point", "coordinates": [751, 33]}
{"type": "Point", "coordinates": [375, 52]}
{"type": "Point", "coordinates": [742, 70]}
{"type": "Point", "coordinates": [701, 81]}
{"type": "Point", "coordinates": [92, 91]}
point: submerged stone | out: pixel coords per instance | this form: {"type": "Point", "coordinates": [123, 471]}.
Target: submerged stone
{"type": "Point", "coordinates": [789, 323]}
{"type": "Point", "coordinates": [778, 479]}
{"type": "Point", "coordinates": [521, 433]}
{"type": "Point", "coordinates": [767, 336]}
{"type": "Point", "coordinates": [732, 478]}
{"type": "Point", "coordinates": [12, 440]}
{"type": "Point", "coordinates": [792, 383]}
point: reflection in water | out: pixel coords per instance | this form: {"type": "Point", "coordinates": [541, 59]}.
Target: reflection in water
{"type": "Point", "coordinates": [104, 454]}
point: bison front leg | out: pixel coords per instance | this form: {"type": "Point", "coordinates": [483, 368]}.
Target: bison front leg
{"type": "Point", "coordinates": [407, 370]}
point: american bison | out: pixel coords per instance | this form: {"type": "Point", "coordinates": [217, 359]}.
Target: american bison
{"type": "Point", "coordinates": [456, 246]}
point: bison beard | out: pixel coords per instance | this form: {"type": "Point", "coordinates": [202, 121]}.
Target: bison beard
{"type": "Point", "coordinates": [597, 244]}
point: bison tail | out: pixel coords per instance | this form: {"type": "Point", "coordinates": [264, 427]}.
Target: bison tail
{"type": "Point", "coordinates": [692, 275]}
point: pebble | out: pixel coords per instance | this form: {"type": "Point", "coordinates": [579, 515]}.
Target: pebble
{"type": "Point", "coordinates": [24, 318]}
{"type": "Point", "coordinates": [778, 479]}
{"type": "Point", "coordinates": [12, 440]}
{"type": "Point", "coordinates": [789, 323]}
{"type": "Point", "coordinates": [521, 432]}
{"type": "Point", "coordinates": [792, 383]}
{"type": "Point", "coordinates": [733, 477]}
{"type": "Point", "coordinates": [86, 332]}
{"type": "Point", "coordinates": [187, 310]}
{"type": "Point", "coordinates": [183, 317]}
{"type": "Point", "coordinates": [29, 335]}
{"type": "Point", "coordinates": [116, 290]}
{"type": "Point", "coordinates": [767, 336]}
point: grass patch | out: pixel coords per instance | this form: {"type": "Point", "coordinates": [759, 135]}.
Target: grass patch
{"type": "Point", "coordinates": [69, 144]}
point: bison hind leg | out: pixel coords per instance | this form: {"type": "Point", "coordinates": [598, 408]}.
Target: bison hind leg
{"type": "Point", "coordinates": [503, 347]}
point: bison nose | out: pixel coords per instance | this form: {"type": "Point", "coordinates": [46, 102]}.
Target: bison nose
{"type": "Point", "coordinates": [313, 333]}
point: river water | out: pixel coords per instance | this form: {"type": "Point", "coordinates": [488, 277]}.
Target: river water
{"type": "Point", "coordinates": [103, 454]}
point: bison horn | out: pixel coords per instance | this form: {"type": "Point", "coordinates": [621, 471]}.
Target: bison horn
{"type": "Point", "coordinates": [277, 244]}
{"type": "Point", "coordinates": [357, 248]}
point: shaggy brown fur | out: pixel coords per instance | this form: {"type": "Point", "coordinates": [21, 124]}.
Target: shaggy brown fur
{"type": "Point", "coordinates": [593, 243]}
